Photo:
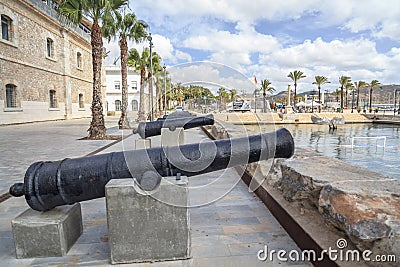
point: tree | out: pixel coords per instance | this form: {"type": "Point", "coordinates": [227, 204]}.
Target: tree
{"type": "Point", "coordinates": [359, 85]}
{"type": "Point", "coordinates": [320, 80]}
{"type": "Point", "coordinates": [350, 87]}
{"type": "Point", "coordinates": [295, 76]}
{"type": "Point", "coordinates": [343, 80]}
{"type": "Point", "coordinates": [223, 95]}
{"type": "Point", "coordinates": [140, 63]}
{"type": "Point", "coordinates": [124, 27]}
{"type": "Point", "coordinates": [233, 93]}
{"type": "Point", "coordinates": [98, 11]}
{"type": "Point", "coordinates": [265, 87]}
{"type": "Point", "coordinates": [372, 85]}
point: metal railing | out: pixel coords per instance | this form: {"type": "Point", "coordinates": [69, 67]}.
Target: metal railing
{"type": "Point", "coordinates": [50, 10]}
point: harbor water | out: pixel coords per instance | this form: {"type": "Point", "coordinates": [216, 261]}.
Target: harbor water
{"type": "Point", "coordinates": [373, 146]}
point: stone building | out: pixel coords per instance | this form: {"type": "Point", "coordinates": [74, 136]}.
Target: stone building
{"type": "Point", "coordinates": [114, 88]}
{"type": "Point", "coordinates": [45, 65]}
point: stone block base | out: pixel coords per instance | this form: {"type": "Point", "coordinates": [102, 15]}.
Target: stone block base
{"type": "Point", "coordinates": [144, 227]}
{"type": "Point", "coordinates": [47, 234]}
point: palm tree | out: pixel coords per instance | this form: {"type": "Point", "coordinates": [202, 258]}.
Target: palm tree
{"type": "Point", "coordinates": [295, 76]}
{"type": "Point", "coordinates": [233, 93]}
{"type": "Point", "coordinates": [97, 11]}
{"type": "Point", "coordinates": [320, 80]}
{"type": "Point", "coordinates": [124, 27]}
{"type": "Point", "coordinates": [343, 80]}
{"type": "Point", "coordinates": [140, 62]}
{"type": "Point", "coordinates": [372, 85]}
{"type": "Point", "coordinates": [265, 87]}
{"type": "Point", "coordinates": [350, 88]}
{"type": "Point", "coordinates": [223, 95]}
{"type": "Point", "coordinates": [359, 85]}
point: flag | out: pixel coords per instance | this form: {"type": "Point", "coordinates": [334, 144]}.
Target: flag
{"type": "Point", "coordinates": [255, 80]}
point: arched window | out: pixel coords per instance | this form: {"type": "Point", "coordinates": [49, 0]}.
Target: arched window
{"type": "Point", "coordinates": [81, 103]}
{"type": "Point", "coordinates": [117, 105]}
{"type": "Point", "coordinates": [53, 99]}
{"type": "Point", "coordinates": [11, 96]}
{"type": "Point", "coordinates": [135, 105]}
{"type": "Point", "coordinates": [6, 23]}
{"type": "Point", "coordinates": [50, 48]}
{"type": "Point", "coordinates": [79, 60]}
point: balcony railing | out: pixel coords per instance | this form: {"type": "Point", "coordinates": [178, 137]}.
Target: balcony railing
{"type": "Point", "coordinates": [49, 7]}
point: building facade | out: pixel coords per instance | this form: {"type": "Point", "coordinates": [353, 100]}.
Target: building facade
{"type": "Point", "coordinates": [114, 88]}
{"type": "Point", "coordinates": [45, 66]}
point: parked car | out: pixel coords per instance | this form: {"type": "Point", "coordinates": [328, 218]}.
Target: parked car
{"type": "Point", "coordinates": [178, 108]}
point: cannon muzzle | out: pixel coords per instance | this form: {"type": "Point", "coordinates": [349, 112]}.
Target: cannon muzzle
{"type": "Point", "coordinates": [148, 129]}
{"type": "Point", "coordinates": [53, 183]}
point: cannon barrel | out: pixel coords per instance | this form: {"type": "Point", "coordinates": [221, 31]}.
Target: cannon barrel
{"type": "Point", "coordinates": [148, 129]}
{"type": "Point", "coordinates": [54, 183]}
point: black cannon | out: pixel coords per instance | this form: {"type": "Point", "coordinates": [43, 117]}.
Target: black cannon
{"type": "Point", "coordinates": [50, 184]}
{"type": "Point", "coordinates": [148, 129]}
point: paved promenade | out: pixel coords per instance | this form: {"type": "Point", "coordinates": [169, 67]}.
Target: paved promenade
{"type": "Point", "coordinates": [226, 232]}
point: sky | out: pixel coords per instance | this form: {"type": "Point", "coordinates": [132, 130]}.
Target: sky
{"type": "Point", "coordinates": [270, 38]}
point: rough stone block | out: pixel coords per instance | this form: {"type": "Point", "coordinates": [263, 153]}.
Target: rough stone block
{"type": "Point", "coordinates": [152, 226]}
{"type": "Point", "coordinates": [172, 138]}
{"type": "Point", "coordinates": [47, 234]}
{"type": "Point", "coordinates": [142, 143]}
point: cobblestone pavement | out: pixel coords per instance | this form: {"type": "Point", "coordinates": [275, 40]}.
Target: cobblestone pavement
{"type": "Point", "coordinates": [226, 232]}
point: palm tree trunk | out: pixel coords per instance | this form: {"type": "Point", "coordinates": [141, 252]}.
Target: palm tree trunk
{"type": "Point", "coordinates": [141, 115]}
{"type": "Point", "coordinates": [319, 98]}
{"type": "Point", "coordinates": [294, 96]}
{"type": "Point", "coordinates": [97, 130]}
{"type": "Point", "coordinates": [341, 99]}
{"type": "Point", "coordinates": [358, 99]}
{"type": "Point", "coordinates": [370, 100]}
{"type": "Point", "coordinates": [347, 102]}
{"type": "Point", "coordinates": [264, 101]}
{"type": "Point", "coordinates": [123, 120]}
{"type": "Point", "coordinates": [158, 96]}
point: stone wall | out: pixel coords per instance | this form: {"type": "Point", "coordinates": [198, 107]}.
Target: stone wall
{"type": "Point", "coordinates": [24, 63]}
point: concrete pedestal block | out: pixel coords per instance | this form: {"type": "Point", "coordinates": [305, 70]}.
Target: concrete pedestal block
{"type": "Point", "coordinates": [142, 227]}
{"type": "Point", "coordinates": [172, 138]}
{"type": "Point", "coordinates": [47, 234]}
{"type": "Point", "coordinates": [142, 143]}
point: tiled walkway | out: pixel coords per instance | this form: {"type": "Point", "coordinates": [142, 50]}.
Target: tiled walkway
{"type": "Point", "coordinates": [227, 229]}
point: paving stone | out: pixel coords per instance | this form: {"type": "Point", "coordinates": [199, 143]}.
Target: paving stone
{"type": "Point", "coordinates": [57, 140]}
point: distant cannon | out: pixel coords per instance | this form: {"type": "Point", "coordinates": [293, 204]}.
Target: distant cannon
{"type": "Point", "coordinates": [51, 184]}
{"type": "Point", "coordinates": [148, 129]}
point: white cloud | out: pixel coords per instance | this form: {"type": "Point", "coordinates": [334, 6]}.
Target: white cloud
{"type": "Point", "coordinates": [375, 15]}
{"type": "Point", "coordinates": [356, 58]}
{"type": "Point", "coordinates": [211, 75]}
{"type": "Point", "coordinates": [162, 45]}
{"type": "Point", "coordinates": [225, 31]}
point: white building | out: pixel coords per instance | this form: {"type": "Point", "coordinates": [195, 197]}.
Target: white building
{"type": "Point", "coordinates": [114, 88]}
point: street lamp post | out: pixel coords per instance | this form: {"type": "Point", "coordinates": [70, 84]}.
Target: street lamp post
{"type": "Point", "coordinates": [149, 38]}
{"type": "Point", "coordinates": [165, 90]}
